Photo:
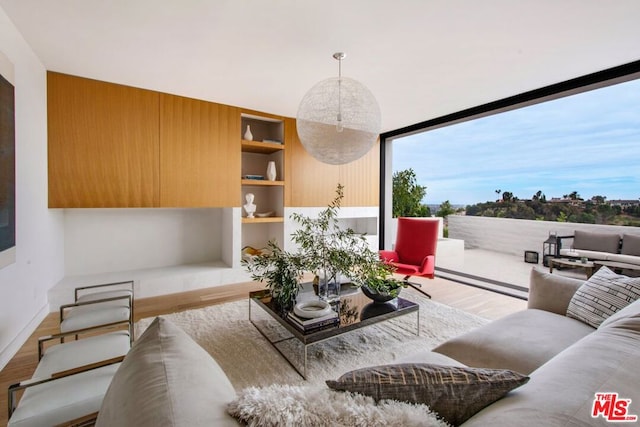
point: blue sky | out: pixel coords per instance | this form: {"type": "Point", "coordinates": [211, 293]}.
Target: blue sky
{"type": "Point", "coordinates": [589, 143]}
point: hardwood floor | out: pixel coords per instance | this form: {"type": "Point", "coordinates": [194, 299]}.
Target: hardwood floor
{"type": "Point", "coordinates": [477, 301]}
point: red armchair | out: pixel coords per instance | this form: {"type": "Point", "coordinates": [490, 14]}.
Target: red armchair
{"type": "Point", "coordinates": [414, 253]}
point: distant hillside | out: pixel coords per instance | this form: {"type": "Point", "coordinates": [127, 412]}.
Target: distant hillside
{"type": "Point", "coordinates": [561, 210]}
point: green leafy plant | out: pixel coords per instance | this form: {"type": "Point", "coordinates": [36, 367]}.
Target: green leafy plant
{"type": "Point", "coordinates": [281, 271]}
{"type": "Point", "coordinates": [324, 249]}
{"type": "Point", "coordinates": [379, 279]}
{"type": "Point", "coordinates": [328, 249]}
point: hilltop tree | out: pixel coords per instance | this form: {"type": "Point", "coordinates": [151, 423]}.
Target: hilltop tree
{"type": "Point", "coordinates": [408, 195]}
{"type": "Point", "coordinates": [507, 196]}
{"type": "Point", "coordinates": [573, 196]}
{"type": "Point", "coordinates": [445, 209]}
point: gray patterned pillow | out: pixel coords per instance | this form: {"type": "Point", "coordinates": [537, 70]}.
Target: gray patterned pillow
{"type": "Point", "coordinates": [602, 295]}
{"type": "Point", "coordinates": [455, 393]}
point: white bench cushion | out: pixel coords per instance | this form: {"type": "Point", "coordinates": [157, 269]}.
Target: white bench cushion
{"type": "Point", "coordinates": [94, 315]}
{"type": "Point", "coordinates": [63, 399]}
{"type": "Point", "coordinates": [72, 354]}
{"type": "Point", "coordinates": [93, 296]}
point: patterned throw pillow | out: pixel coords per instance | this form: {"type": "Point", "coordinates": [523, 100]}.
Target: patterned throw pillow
{"type": "Point", "coordinates": [455, 393]}
{"type": "Point", "coordinates": [602, 295]}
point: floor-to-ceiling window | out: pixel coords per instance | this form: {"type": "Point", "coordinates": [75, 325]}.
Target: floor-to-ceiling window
{"type": "Point", "coordinates": [566, 153]}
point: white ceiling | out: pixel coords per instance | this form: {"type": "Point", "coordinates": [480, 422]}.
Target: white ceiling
{"type": "Point", "coordinates": [421, 58]}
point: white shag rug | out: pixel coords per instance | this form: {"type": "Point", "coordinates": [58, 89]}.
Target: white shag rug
{"type": "Point", "coordinates": [293, 406]}
{"type": "Point", "coordinates": [225, 332]}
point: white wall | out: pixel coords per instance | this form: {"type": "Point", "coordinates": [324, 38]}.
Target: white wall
{"type": "Point", "coordinates": [107, 240]}
{"type": "Point", "coordinates": [39, 237]}
{"type": "Point", "coordinates": [360, 219]}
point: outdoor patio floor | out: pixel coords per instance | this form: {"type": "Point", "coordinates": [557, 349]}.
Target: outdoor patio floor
{"type": "Point", "coordinates": [497, 271]}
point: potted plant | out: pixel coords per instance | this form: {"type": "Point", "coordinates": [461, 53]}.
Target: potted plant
{"type": "Point", "coordinates": [281, 271]}
{"type": "Point", "coordinates": [379, 283]}
{"type": "Point", "coordinates": [329, 252]}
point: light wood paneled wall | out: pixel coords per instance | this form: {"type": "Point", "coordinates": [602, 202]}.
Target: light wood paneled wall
{"type": "Point", "coordinates": [199, 153]}
{"type": "Point", "coordinates": [313, 183]}
{"type": "Point", "coordinates": [103, 144]}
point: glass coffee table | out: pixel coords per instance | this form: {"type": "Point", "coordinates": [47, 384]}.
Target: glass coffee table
{"type": "Point", "coordinates": [355, 311]}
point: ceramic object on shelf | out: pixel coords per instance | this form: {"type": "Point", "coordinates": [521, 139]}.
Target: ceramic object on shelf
{"type": "Point", "coordinates": [271, 171]}
{"type": "Point", "coordinates": [248, 135]}
{"type": "Point", "coordinates": [264, 214]}
{"type": "Point", "coordinates": [249, 207]}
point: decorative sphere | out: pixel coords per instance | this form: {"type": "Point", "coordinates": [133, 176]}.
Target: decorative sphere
{"type": "Point", "coordinates": [320, 132]}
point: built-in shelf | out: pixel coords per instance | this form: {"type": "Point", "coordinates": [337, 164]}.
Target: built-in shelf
{"type": "Point", "coordinates": [261, 147]}
{"type": "Point", "coordinates": [267, 146]}
{"type": "Point", "coordinates": [262, 220]}
{"type": "Point", "coordinates": [262, 182]}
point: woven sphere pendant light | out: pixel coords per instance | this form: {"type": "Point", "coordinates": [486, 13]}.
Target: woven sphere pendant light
{"type": "Point", "coordinates": [338, 119]}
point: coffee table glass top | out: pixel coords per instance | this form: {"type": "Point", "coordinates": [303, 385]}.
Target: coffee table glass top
{"type": "Point", "coordinates": [354, 308]}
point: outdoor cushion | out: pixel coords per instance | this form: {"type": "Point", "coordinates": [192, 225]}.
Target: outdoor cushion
{"type": "Point", "coordinates": [627, 259]}
{"type": "Point", "coordinates": [454, 392]}
{"type": "Point", "coordinates": [630, 244]}
{"type": "Point", "coordinates": [593, 255]}
{"type": "Point", "coordinates": [519, 341]}
{"type": "Point", "coordinates": [167, 379]}
{"type": "Point", "coordinates": [602, 242]}
{"type": "Point", "coordinates": [602, 295]}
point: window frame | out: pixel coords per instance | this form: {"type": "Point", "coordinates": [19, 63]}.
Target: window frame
{"type": "Point", "coordinates": [599, 79]}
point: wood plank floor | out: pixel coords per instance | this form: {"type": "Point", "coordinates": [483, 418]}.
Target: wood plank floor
{"type": "Point", "coordinates": [477, 301]}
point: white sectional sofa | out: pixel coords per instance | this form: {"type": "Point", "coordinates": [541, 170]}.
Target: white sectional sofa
{"type": "Point", "coordinates": [168, 380]}
{"type": "Point", "coordinates": [568, 361]}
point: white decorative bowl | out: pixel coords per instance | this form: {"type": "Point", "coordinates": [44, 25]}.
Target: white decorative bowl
{"type": "Point", "coordinates": [312, 309]}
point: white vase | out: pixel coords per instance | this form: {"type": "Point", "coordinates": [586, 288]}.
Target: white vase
{"type": "Point", "coordinates": [248, 135]}
{"type": "Point", "coordinates": [271, 171]}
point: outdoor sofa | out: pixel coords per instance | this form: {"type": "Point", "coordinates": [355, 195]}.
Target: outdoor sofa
{"type": "Point", "coordinates": [167, 379]}
{"type": "Point", "coordinates": [597, 246]}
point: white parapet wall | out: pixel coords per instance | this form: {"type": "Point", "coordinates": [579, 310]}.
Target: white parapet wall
{"type": "Point", "coordinates": [514, 236]}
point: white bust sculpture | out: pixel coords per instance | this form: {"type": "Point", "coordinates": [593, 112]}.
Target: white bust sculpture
{"type": "Point", "coordinates": [249, 207]}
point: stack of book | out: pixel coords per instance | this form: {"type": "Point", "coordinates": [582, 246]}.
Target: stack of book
{"type": "Point", "coordinates": [309, 325]}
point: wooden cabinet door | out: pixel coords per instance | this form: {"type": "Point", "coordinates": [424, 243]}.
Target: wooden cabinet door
{"type": "Point", "coordinates": [313, 183]}
{"type": "Point", "coordinates": [199, 153]}
{"type": "Point", "coordinates": [103, 144]}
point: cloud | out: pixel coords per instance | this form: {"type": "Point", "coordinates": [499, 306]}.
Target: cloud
{"type": "Point", "coordinates": [588, 143]}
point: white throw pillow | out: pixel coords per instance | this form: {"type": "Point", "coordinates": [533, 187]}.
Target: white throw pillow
{"type": "Point", "coordinates": [602, 295]}
{"type": "Point", "coordinates": [167, 380]}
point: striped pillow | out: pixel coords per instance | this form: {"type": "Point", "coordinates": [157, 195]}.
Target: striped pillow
{"type": "Point", "coordinates": [602, 295]}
